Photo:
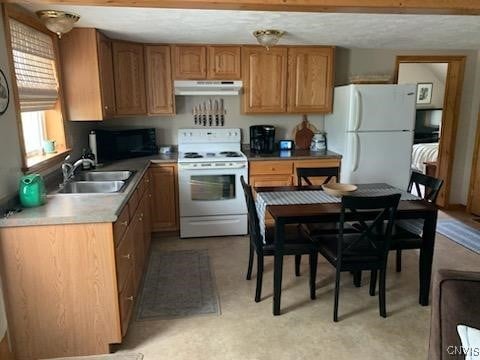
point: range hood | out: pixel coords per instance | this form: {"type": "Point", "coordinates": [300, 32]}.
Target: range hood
{"type": "Point", "coordinates": [207, 87]}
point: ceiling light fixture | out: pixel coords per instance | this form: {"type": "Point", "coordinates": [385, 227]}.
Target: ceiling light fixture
{"type": "Point", "coordinates": [57, 21]}
{"type": "Point", "coordinates": [268, 38]}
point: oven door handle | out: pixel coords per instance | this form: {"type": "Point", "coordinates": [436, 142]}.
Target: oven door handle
{"type": "Point", "coordinates": [206, 168]}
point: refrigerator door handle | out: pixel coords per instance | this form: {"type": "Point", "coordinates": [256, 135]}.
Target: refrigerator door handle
{"type": "Point", "coordinates": [358, 110]}
{"type": "Point", "coordinates": [356, 154]}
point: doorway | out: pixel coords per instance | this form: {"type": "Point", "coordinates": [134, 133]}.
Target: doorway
{"type": "Point", "coordinates": [446, 120]}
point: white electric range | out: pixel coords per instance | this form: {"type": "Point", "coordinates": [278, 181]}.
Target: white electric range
{"type": "Point", "coordinates": [211, 197]}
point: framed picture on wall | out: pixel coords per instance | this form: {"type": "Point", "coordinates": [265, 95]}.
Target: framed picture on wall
{"type": "Point", "coordinates": [424, 93]}
{"type": "Point", "coordinates": [4, 93]}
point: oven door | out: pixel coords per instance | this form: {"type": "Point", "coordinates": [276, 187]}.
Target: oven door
{"type": "Point", "coordinates": [214, 191]}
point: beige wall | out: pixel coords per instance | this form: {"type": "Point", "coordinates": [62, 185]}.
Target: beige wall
{"type": "Point", "coordinates": [435, 73]}
{"type": "Point", "coordinates": [379, 61]}
{"type": "Point", "coordinates": [10, 158]}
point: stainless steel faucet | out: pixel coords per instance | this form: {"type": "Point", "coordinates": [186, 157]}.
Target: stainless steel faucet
{"type": "Point", "coordinates": [68, 169]}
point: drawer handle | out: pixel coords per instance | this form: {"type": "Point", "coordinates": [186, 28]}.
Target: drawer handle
{"type": "Point", "coordinates": [124, 223]}
{"type": "Point", "coordinates": [149, 195]}
{"type": "Point", "coordinates": [147, 181]}
{"type": "Point", "coordinates": [130, 298]}
{"type": "Point", "coordinates": [128, 256]}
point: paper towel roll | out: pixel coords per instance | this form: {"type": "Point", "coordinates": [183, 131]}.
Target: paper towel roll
{"type": "Point", "coordinates": [92, 140]}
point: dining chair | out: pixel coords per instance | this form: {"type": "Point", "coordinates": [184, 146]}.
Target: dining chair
{"type": "Point", "coordinates": [328, 173]}
{"type": "Point", "coordinates": [407, 234]}
{"type": "Point", "coordinates": [295, 244]}
{"type": "Point", "coordinates": [366, 250]}
{"type": "Point", "coordinates": [305, 176]}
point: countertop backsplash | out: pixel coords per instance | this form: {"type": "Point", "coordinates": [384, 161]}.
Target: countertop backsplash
{"type": "Point", "coordinates": [167, 126]}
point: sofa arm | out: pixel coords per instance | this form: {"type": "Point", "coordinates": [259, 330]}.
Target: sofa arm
{"type": "Point", "coordinates": [455, 301]}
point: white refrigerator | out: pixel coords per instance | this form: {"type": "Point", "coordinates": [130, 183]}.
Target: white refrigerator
{"type": "Point", "coordinates": [372, 127]}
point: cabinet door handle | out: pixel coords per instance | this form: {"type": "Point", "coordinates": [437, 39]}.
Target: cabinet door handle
{"type": "Point", "coordinates": [130, 298]}
{"type": "Point", "coordinates": [106, 107]}
{"type": "Point", "coordinates": [149, 195]}
{"type": "Point", "coordinates": [128, 256]}
{"type": "Point", "coordinates": [124, 223]}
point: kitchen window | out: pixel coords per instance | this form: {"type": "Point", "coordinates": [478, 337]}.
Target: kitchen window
{"type": "Point", "coordinates": [34, 60]}
{"type": "Point", "coordinates": [34, 132]}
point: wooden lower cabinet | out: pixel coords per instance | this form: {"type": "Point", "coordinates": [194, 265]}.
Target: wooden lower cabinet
{"type": "Point", "coordinates": [70, 289]}
{"type": "Point", "coordinates": [314, 164]}
{"type": "Point", "coordinates": [164, 197]}
{"type": "Point", "coordinates": [271, 180]}
{"type": "Point", "coordinates": [283, 172]}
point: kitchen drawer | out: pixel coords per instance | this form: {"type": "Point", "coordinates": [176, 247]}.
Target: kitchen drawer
{"type": "Point", "coordinates": [133, 203]}
{"type": "Point", "coordinates": [124, 258]}
{"type": "Point", "coordinates": [126, 301]}
{"type": "Point", "coordinates": [320, 163]}
{"type": "Point", "coordinates": [120, 226]}
{"type": "Point", "coordinates": [271, 167]}
{"type": "Point", "coordinates": [271, 180]}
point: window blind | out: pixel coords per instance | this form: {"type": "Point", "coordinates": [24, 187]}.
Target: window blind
{"type": "Point", "coordinates": [34, 62]}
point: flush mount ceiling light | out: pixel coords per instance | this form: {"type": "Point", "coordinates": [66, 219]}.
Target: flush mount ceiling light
{"type": "Point", "coordinates": [268, 38]}
{"type": "Point", "coordinates": [57, 21]}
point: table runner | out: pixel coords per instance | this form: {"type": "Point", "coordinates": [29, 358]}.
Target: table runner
{"type": "Point", "coordinates": [319, 196]}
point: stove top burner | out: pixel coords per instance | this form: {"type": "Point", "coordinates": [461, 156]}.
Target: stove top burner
{"type": "Point", "coordinates": [230, 154]}
{"type": "Point", "coordinates": [192, 155]}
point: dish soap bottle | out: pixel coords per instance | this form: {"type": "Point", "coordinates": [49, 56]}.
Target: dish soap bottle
{"type": "Point", "coordinates": [87, 154]}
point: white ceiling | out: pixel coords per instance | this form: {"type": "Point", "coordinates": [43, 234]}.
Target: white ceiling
{"type": "Point", "coordinates": [225, 26]}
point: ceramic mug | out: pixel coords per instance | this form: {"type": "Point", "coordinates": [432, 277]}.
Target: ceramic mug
{"type": "Point", "coordinates": [49, 146]}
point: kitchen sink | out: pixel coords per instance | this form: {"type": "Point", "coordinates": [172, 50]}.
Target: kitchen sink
{"type": "Point", "coordinates": [104, 175]}
{"type": "Point", "coordinates": [92, 187]}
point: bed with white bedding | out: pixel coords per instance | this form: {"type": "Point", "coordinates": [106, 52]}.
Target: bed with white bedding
{"type": "Point", "coordinates": [422, 153]}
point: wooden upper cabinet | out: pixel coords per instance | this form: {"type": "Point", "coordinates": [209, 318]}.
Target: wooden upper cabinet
{"type": "Point", "coordinates": [158, 71]}
{"type": "Point", "coordinates": [224, 63]}
{"type": "Point", "coordinates": [189, 62]}
{"type": "Point", "coordinates": [87, 67]}
{"type": "Point", "coordinates": [265, 79]}
{"type": "Point", "coordinates": [129, 72]}
{"type": "Point", "coordinates": [107, 86]}
{"type": "Point", "coordinates": [310, 79]}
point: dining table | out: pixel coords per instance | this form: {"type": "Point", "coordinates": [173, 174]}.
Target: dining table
{"type": "Point", "coordinates": [310, 204]}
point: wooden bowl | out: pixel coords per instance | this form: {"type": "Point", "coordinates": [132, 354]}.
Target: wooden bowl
{"type": "Point", "coordinates": [337, 189]}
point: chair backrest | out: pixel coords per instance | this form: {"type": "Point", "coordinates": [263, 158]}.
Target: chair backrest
{"type": "Point", "coordinates": [253, 223]}
{"type": "Point", "coordinates": [431, 186]}
{"type": "Point", "coordinates": [304, 174]}
{"type": "Point", "coordinates": [375, 236]}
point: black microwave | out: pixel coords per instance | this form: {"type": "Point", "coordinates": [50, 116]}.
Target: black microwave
{"type": "Point", "coordinates": [123, 144]}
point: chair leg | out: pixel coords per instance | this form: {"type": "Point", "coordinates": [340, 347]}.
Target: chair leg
{"type": "Point", "coordinates": [373, 282]}
{"type": "Point", "coordinates": [399, 260]}
{"type": "Point", "coordinates": [258, 290]}
{"type": "Point", "coordinates": [298, 261]}
{"type": "Point", "coordinates": [337, 293]}
{"type": "Point", "coordinates": [381, 293]}
{"type": "Point", "coordinates": [313, 257]}
{"type": "Point", "coordinates": [250, 262]}
{"type": "Point", "coordinates": [357, 278]}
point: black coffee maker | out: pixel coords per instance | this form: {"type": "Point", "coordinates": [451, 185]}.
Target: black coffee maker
{"type": "Point", "coordinates": [262, 139]}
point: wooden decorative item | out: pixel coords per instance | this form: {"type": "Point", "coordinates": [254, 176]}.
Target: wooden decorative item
{"type": "Point", "coordinates": [303, 134]}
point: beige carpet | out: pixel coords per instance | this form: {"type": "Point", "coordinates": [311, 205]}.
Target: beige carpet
{"type": "Point", "coordinates": [105, 357]}
{"type": "Point", "coordinates": [246, 330]}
